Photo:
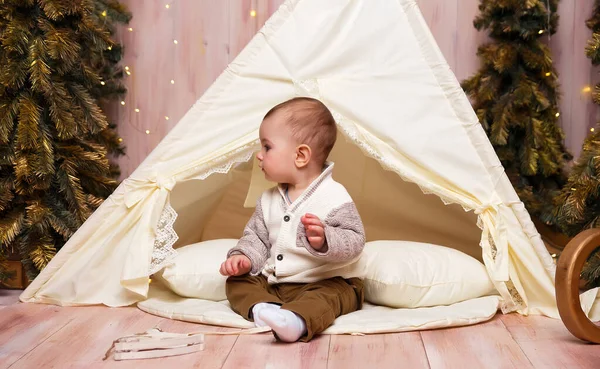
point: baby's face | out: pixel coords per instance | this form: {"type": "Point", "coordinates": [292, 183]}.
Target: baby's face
{"type": "Point", "coordinates": [278, 150]}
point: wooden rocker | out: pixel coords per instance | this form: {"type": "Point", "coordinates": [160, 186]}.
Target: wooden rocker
{"type": "Point", "coordinates": [568, 271]}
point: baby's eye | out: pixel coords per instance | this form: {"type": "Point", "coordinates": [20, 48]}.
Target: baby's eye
{"type": "Point", "coordinates": [267, 147]}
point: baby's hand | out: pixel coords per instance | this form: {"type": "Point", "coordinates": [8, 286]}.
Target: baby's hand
{"type": "Point", "coordinates": [315, 231]}
{"type": "Point", "coordinates": [236, 265]}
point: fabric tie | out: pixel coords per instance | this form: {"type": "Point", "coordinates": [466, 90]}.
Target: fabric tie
{"type": "Point", "coordinates": [137, 189]}
{"type": "Point", "coordinates": [495, 233]}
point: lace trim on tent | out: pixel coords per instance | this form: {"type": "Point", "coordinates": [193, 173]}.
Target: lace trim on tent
{"type": "Point", "coordinates": [223, 163]}
{"type": "Point", "coordinates": [163, 252]}
{"type": "Point", "coordinates": [517, 301]}
{"type": "Point", "coordinates": [385, 163]}
{"type": "Point", "coordinates": [493, 248]}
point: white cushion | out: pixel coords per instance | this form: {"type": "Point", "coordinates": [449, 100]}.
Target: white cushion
{"type": "Point", "coordinates": [371, 319]}
{"type": "Point", "coordinates": [195, 270]}
{"type": "Point", "coordinates": [404, 274]}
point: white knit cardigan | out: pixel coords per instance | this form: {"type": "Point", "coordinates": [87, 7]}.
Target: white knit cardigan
{"type": "Point", "coordinates": [275, 240]}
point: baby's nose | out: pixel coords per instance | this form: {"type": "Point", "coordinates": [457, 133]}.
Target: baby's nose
{"type": "Point", "coordinates": [259, 156]}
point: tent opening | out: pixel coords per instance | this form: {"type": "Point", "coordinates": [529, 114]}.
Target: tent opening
{"type": "Point", "coordinates": [391, 208]}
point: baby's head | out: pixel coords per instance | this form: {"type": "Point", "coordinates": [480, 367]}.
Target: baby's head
{"type": "Point", "coordinates": [296, 136]}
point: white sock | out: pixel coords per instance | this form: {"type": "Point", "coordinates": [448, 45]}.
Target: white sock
{"type": "Point", "coordinates": [288, 325]}
{"type": "Point", "coordinates": [260, 306]}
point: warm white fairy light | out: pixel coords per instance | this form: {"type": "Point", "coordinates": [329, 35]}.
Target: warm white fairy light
{"type": "Point", "coordinates": [167, 6]}
{"type": "Point", "coordinates": [541, 31]}
{"type": "Point", "coordinates": [586, 89]}
{"type": "Point", "coordinates": [110, 48]}
{"type": "Point", "coordinates": [102, 83]}
{"type": "Point", "coordinates": [128, 71]}
{"type": "Point", "coordinates": [548, 74]}
{"type": "Point", "coordinates": [592, 129]}
{"type": "Point", "coordinates": [557, 115]}
{"type": "Point", "coordinates": [253, 13]}
{"type": "Point", "coordinates": [104, 13]}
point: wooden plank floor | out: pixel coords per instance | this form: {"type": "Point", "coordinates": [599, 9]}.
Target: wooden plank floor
{"type": "Point", "coordinates": [44, 336]}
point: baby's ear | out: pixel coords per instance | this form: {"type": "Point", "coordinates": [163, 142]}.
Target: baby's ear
{"type": "Point", "coordinates": [303, 155]}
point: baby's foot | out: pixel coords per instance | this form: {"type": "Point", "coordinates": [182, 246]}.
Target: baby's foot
{"type": "Point", "coordinates": [288, 326]}
{"type": "Point", "coordinates": [260, 306]}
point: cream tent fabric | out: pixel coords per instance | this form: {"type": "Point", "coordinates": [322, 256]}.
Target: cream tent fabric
{"type": "Point", "coordinates": [403, 118]}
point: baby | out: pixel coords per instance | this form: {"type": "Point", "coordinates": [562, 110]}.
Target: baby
{"type": "Point", "coordinates": [297, 266]}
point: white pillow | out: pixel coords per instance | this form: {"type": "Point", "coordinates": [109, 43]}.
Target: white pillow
{"type": "Point", "coordinates": [406, 274]}
{"type": "Point", "coordinates": [195, 270]}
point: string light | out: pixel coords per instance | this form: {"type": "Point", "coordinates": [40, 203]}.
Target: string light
{"type": "Point", "coordinates": [175, 42]}
{"type": "Point", "coordinates": [128, 72]}
{"type": "Point", "coordinates": [548, 74]}
{"type": "Point", "coordinates": [104, 13]}
{"type": "Point", "coordinates": [592, 129]}
{"type": "Point", "coordinates": [147, 131]}
{"type": "Point", "coordinates": [253, 13]}
{"type": "Point", "coordinates": [587, 89]}
{"type": "Point", "coordinates": [130, 29]}
{"type": "Point", "coordinates": [102, 83]}
{"type": "Point", "coordinates": [541, 31]}
{"type": "Point", "coordinates": [122, 102]}
{"type": "Point", "coordinates": [120, 139]}
{"type": "Point", "coordinates": [172, 82]}
{"type": "Point", "coordinates": [167, 6]}
{"type": "Point", "coordinates": [137, 110]}
{"type": "Point", "coordinates": [557, 115]}
{"type": "Point", "coordinates": [166, 117]}
{"type": "Point", "coordinates": [110, 48]}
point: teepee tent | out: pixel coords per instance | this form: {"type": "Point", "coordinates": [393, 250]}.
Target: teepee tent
{"type": "Point", "coordinates": [408, 138]}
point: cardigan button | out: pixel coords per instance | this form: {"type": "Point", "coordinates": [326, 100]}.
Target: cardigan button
{"type": "Point", "coordinates": [279, 257]}
{"type": "Point", "coordinates": [286, 218]}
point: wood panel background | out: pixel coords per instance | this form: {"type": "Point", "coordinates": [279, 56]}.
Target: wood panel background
{"type": "Point", "coordinates": [176, 48]}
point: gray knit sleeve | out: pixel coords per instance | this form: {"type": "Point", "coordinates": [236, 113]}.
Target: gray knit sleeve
{"type": "Point", "coordinates": [255, 241]}
{"type": "Point", "coordinates": [344, 235]}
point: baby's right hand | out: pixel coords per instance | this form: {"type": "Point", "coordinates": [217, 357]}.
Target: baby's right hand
{"type": "Point", "coordinates": [236, 265]}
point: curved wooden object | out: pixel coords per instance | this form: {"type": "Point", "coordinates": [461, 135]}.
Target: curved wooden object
{"type": "Point", "coordinates": [568, 271]}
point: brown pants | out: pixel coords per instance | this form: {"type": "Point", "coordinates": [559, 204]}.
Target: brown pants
{"type": "Point", "coordinates": [317, 303]}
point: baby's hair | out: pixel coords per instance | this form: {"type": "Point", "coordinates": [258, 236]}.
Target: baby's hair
{"type": "Point", "coordinates": [311, 123]}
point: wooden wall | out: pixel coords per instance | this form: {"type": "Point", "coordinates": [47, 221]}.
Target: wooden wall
{"type": "Point", "coordinates": [174, 53]}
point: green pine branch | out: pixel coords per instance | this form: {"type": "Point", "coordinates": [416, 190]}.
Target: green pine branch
{"type": "Point", "coordinates": [578, 206]}
{"type": "Point", "coordinates": [5, 275]}
{"type": "Point", "coordinates": [59, 63]}
{"type": "Point", "coordinates": [515, 94]}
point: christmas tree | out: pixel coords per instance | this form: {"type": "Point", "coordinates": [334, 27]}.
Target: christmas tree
{"type": "Point", "coordinates": [58, 65]}
{"type": "Point", "coordinates": [515, 96]}
{"type": "Point", "coordinates": [578, 206]}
